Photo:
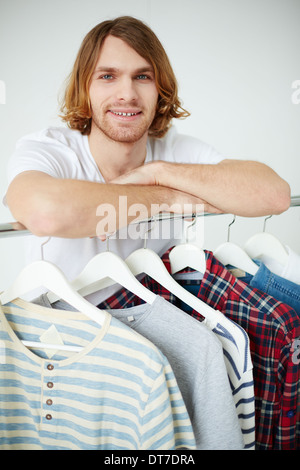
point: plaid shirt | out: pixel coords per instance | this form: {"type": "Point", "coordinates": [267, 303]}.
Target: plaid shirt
{"type": "Point", "coordinates": [274, 332]}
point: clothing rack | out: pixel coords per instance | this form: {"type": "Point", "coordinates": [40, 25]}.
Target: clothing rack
{"type": "Point", "coordinates": [8, 230]}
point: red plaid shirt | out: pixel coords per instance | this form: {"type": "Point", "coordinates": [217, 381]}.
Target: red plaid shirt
{"type": "Point", "coordinates": [273, 329]}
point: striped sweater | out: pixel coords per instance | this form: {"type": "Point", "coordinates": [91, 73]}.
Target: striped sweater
{"type": "Point", "coordinates": [118, 392]}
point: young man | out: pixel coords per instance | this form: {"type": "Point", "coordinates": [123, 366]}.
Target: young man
{"type": "Point", "coordinates": [120, 153]}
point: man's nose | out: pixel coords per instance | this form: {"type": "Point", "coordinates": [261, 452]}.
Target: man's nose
{"type": "Point", "coordinates": [127, 90]}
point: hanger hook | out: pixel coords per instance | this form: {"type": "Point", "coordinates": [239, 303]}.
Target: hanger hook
{"type": "Point", "coordinates": [152, 219]}
{"type": "Point", "coordinates": [42, 247]}
{"type": "Point", "coordinates": [189, 227]}
{"type": "Point", "coordinates": [265, 222]}
{"type": "Point", "coordinates": [107, 239]}
{"type": "Point", "coordinates": [228, 229]}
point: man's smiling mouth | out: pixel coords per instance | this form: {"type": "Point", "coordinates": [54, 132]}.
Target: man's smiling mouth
{"type": "Point", "coordinates": [119, 113]}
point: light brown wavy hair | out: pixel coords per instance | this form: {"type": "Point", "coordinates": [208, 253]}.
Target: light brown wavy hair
{"type": "Point", "coordinates": [76, 107]}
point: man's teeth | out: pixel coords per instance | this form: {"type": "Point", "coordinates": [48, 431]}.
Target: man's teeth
{"type": "Point", "coordinates": [124, 114]}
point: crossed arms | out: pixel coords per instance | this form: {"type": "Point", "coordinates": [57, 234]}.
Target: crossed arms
{"type": "Point", "coordinates": [69, 208]}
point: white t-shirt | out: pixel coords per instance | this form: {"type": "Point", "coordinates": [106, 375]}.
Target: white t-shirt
{"type": "Point", "coordinates": [64, 153]}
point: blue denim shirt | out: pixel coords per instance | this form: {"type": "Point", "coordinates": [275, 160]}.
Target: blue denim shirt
{"type": "Point", "coordinates": [281, 289]}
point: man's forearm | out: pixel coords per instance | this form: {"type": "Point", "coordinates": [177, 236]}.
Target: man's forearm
{"type": "Point", "coordinates": [76, 209]}
{"type": "Point", "coordinates": [244, 188]}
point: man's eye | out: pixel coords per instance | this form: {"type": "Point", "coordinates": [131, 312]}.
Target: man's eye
{"type": "Point", "coordinates": [107, 76]}
{"type": "Point", "coordinates": [142, 77]}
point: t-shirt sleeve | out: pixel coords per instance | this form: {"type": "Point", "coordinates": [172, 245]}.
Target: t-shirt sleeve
{"type": "Point", "coordinates": [180, 148]}
{"type": "Point", "coordinates": [47, 151]}
{"type": "Point", "coordinates": [35, 152]}
{"type": "Point", "coordinates": [192, 150]}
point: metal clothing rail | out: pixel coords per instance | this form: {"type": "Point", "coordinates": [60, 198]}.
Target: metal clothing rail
{"type": "Point", "coordinates": [8, 229]}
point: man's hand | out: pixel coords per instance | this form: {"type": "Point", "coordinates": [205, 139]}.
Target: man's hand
{"type": "Point", "coordinates": [244, 188]}
{"type": "Point", "coordinates": [147, 174]}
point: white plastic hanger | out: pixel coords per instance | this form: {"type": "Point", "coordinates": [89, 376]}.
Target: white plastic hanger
{"type": "Point", "coordinates": [58, 347]}
{"type": "Point", "coordinates": [46, 274]}
{"type": "Point", "coordinates": [266, 244]}
{"type": "Point", "coordinates": [187, 255]}
{"type": "Point", "coordinates": [230, 253]}
{"type": "Point", "coordinates": [107, 265]}
{"type": "Point", "coordinates": [140, 261]}
{"type": "Point", "coordinates": [148, 262]}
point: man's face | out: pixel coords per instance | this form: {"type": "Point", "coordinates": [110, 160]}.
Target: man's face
{"type": "Point", "coordinates": [123, 92]}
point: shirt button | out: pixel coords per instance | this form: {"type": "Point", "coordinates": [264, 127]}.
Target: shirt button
{"type": "Point", "coordinates": [50, 366]}
{"type": "Point", "coordinates": [50, 384]}
{"type": "Point", "coordinates": [290, 414]}
{"type": "Point", "coordinates": [48, 417]}
{"type": "Point", "coordinates": [49, 402]}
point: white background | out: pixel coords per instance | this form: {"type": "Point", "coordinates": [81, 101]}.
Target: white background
{"type": "Point", "coordinates": [235, 60]}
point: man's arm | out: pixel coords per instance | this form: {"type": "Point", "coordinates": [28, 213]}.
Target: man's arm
{"type": "Point", "coordinates": [69, 208]}
{"type": "Point", "coordinates": [244, 188]}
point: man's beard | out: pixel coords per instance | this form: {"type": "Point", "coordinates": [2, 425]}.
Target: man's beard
{"type": "Point", "coordinates": [122, 132]}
